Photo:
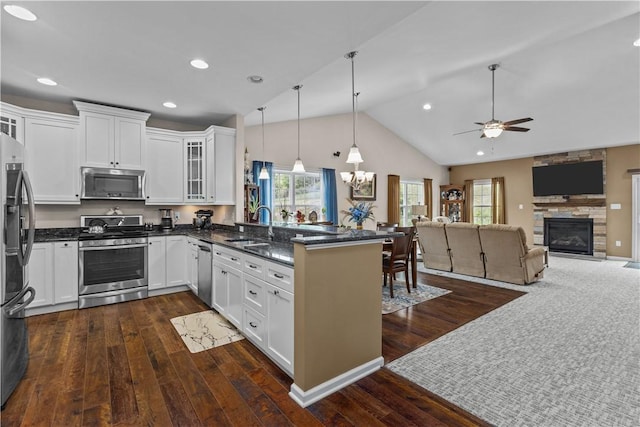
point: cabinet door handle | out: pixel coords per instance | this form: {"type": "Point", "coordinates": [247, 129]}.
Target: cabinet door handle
{"type": "Point", "coordinates": [253, 266]}
{"type": "Point", "coordinates": [253, 325]}
{"type": "Point", "coordinates": [66, 244]}
{"type": "Point", "coordinates": [110, 163]}
{"type": "Point", "coordinates": [218, 253]}
{"type": "Point", "coordinates": [278, 276]}
{"type": "Point", "coordinates": [117, 163]}
{"type": "Point", "coordinates": [275, 292]}
{"type": "Point", "coordinates": [253, 292]}
{"type": "Point", "coordinates": [234, 259]}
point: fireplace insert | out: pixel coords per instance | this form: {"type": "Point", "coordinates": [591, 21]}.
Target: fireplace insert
{"type": "Point", "coordinates": [569, 235]}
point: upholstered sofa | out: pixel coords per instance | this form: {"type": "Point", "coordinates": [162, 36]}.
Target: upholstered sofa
{"type": "Point", "coordinates": [496, 251]}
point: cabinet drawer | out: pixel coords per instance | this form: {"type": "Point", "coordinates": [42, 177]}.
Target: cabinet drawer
{"type": "Point", "coordinates": [254, 266]}
{"type": "Point", "coordinates": [253, 327]}
{"type": "Point", "coordinates": [227, 256]}
{"type": "Point", "coordinates": [255, 294]}
{"type": "Point", "coordinates": [280, 276]}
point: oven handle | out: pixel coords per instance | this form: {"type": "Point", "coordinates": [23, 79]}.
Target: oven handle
{"type": "Point", "coordinates": [106, 248]}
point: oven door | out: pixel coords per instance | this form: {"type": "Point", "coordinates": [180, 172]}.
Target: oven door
{"type": "Point", "coordinates": [112, 268]}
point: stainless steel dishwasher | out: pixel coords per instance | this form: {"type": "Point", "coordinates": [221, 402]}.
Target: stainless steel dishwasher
{"type": "Point", "coordinates": [205, 282]}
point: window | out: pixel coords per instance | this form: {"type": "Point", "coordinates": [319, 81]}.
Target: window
{"type": "Point", "coordinates": [411, 193]}
{"type": "Point", "coordinates": [482, 202]}
{"type": "Point", "coordinates": [297, 192]}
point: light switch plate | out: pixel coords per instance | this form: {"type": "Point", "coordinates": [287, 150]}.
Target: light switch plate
{"type": "Point", "coordinates": [618, 243]}
{"type": "Point", "coordinates": [616, 206]}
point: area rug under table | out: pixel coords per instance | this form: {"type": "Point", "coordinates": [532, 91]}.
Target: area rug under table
{"type": "Point", "coordinates": [401, 299]}
{"type": "Point", "coordinates": [205, 330]}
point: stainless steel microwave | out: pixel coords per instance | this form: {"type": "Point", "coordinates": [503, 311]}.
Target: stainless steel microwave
{"type": "Point", "coordinates": [112, 184]}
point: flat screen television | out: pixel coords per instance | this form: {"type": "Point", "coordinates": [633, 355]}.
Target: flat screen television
{"type": "Point", "coordinates": [568, 179]}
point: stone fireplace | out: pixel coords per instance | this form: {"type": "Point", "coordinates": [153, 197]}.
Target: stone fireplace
{"type": "Point", "coordinates": [569, 235]}
{"type": "Point", "coordinates": [589, 208]}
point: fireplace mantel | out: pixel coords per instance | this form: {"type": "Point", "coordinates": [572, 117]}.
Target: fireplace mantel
{"type": "Point", "coordinates": [571, 203]}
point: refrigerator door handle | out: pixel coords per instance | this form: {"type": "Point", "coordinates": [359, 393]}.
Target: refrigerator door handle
{"type": "Point", "coordinates": [24, 181]}
{"type": "Point", "coordinates": [11, 311]}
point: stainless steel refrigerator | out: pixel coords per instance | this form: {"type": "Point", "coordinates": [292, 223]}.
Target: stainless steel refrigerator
{"type": "Point", "coordinates": [17, 217]}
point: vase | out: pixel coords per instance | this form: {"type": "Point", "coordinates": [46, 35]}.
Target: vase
{"type": "Point", "coordinates": [358, 226]}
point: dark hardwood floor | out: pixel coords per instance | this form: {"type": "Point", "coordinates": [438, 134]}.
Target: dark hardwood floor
{"type": "Point", "coordinates": [124, 364]}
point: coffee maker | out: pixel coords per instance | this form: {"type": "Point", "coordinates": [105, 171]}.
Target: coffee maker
{"type": "Point", "coordinates": [166, 219]}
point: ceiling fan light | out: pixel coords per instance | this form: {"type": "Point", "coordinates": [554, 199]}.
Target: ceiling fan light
{"type": "Point", "coordinates": [492, 132]}
{"type": "Point", "coordinates": [298, 166]}
{"type": "Point", "coordinates": [354, 155]}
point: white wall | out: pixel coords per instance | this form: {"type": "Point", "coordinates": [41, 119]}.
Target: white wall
{"type": "Point", "coordinates": [383, 152]}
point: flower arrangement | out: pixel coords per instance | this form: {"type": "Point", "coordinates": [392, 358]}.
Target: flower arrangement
{"type": "Point", "coordinates": [359, 212]}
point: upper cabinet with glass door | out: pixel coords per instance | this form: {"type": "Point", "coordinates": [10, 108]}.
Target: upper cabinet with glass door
{"type": "Point", "coordinates": [11, 122]}
{"type": "Point", "coordinates": [112, 137]}
{"type": "Point", "coordinates": [195, 170]}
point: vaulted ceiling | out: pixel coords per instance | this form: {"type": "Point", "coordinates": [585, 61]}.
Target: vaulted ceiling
{"type": "Point", "coordinates": [570, 65]}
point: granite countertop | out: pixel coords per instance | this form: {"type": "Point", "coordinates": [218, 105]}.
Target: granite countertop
{"type": "Point", "coordinates": [279, 250]}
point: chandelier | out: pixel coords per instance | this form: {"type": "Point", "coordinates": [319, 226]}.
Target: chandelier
{"type": "Point", "coordinates": [357, 177]}
{"type": "Point", "coordinates": [298, 166]}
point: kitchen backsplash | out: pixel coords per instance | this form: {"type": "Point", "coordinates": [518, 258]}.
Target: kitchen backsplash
{"type": "Point", "coordinates": [60, 216]}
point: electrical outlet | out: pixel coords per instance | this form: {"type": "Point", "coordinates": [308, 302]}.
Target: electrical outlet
{"type": "Point", "coordinates": [618, 243]}
{"type": "Point", "coordinates": [299, 236]}
{"type": "Point", "coordinates": [520, 206]}
{"type": "Point", "coordinates": [241, 229]}
{"type": "Point", "coordinates": [177, 215]}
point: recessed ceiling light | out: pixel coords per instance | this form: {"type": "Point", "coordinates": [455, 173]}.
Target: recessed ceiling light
{"type": "Point", "coordinates": [20, 12]}
{"type": "Point", "coordinates": [169, 104]}
{"type": "Point", "coordinates": [255, 79]}
{"type": "Point", "coordinates": [480, 153]}
{"type": "Point", "coordinates": [637, 43]}
{"type": "Point", "coordinates": [200, 64]}
{"type": "Point", "coordinates": [427, 106]}
{"type": "Point", "coordinates": [47, 81]}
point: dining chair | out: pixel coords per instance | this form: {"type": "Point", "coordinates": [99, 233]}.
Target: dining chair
{"type": "Point", "coordinates": [386, 226]}
{"type": "Point", "coordinates": [398, 260]}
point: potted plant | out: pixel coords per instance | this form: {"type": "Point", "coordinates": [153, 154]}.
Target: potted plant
{"type": "Point", "coordinates": [359, 212]}
{"type": "Point", "coordinates": [253, 207]}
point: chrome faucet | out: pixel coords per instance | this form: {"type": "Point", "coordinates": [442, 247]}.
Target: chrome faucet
{"type": "Point", "coordinates": [255, 216]}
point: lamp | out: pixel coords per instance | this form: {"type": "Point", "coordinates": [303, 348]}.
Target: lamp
{"type": "Point", "coordinates": [493, 129]}
{"type": "Point", "coordinates": [263, 172]}
{"type": "Point", "coordinates": [298, 166]}
{"type": "Point", "coordinates": [419, 211]}
{"type": "Point", "coordinates": [356, 177]}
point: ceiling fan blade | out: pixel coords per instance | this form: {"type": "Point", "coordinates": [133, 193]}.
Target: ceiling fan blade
{"type": "Point", "coordinates": [478, 123]}
{"type": "Point", "coordinates": [515, 122]}
{"type": "Point", "coordinates": [516, 129]}
{"type": "Point", "coordinates": [483, 135]}
{"type": "Point", "coordinates": [467, 131]}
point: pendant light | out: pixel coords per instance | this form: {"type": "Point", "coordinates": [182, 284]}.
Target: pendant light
{"type": "Point", "coordinates": [357, 177]}
{"type": "Point", "coordinates": [263, 172]}
{"type": "Point", "coordinates": [298, 166]}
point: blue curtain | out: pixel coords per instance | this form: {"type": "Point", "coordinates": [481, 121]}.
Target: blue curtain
{"type": "Point", "coordinates": [265, 188]}
{"type": "Point", "coordinates": [330, 195]}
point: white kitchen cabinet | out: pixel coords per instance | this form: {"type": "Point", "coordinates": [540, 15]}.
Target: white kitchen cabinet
{"type": "Point", "coordinates": [176, 260]}
{"type": "Point", "coordinates": [40, 274]}
{"type": "Point", "coordinates": [193, 264]}
{"type": "Point", "coordinates": [227, 284]}
{"type": "Point", "coordinates": [221, 155]}
{"type": "Point", "coordinates": [195, 170]}
{"type": "Point", "coordinates": [53, 273]}
{"type": "Point", "coordinates": [268, 309]}
{"type": "Point", "coordinates": [111, 137]}
{"type": "Point", "coordinates": [51, 158]}
{"type": "Point", "coordinates": [279, 330]}
{"type": "Point", "coordinates": [65, 269]}
{"type": "Point", "coordinates": [156, 261]}
{"type": "Point", "coordinates": [165, 167]}
{"type": "Point", "coordinates": [11, 122]}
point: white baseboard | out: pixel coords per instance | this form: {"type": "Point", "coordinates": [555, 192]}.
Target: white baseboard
{"type": "Point", "coordinates": [619, 258]}
{"type": "Point", "coordinates": [46, 309]}
{"type": "Point", "coordinates": [306, 398]}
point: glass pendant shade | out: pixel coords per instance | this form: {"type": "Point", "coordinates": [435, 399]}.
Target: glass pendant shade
{"type": "Point", "coordinates": [298, 166]}
{"type": "Point", "coordinates": [354, 155]}
{"type": "Point", "coordinates": [263, 173]}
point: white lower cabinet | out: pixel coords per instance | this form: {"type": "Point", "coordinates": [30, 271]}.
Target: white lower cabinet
{"type": "Point", "coordinates": [167, 258]}
{"type": "Point", "coordinates": [227, 292]}
{"type": "Point", "coordinates": [53, 273]}
{"type": "Point", "coordinates": [268, 309]}
{"type": "Point", "coordinates": [156, 262]}
{"type": "Point", "coordinates": [176, 260]}
{"type": "Point", "coordinates": [192, 264]}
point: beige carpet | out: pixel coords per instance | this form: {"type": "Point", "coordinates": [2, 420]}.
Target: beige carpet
{"type": "Point", "coordinates": [205, 330]}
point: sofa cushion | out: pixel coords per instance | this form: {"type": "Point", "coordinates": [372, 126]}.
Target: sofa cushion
{"type": "Point", "coordinates": [465, 248]}
{"type": "Point", "coordinates": [433, 245]}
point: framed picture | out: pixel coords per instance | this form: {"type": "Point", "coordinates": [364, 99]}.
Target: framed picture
{"type": "Point", "coordinates": [367, 191]}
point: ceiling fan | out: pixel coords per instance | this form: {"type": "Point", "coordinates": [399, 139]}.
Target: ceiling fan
{"type": "Point", "coordinates": [493, 128]}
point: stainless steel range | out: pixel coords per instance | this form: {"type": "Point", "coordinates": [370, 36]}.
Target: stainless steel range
{"type": "Point", "coordinates": [112, 260]}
